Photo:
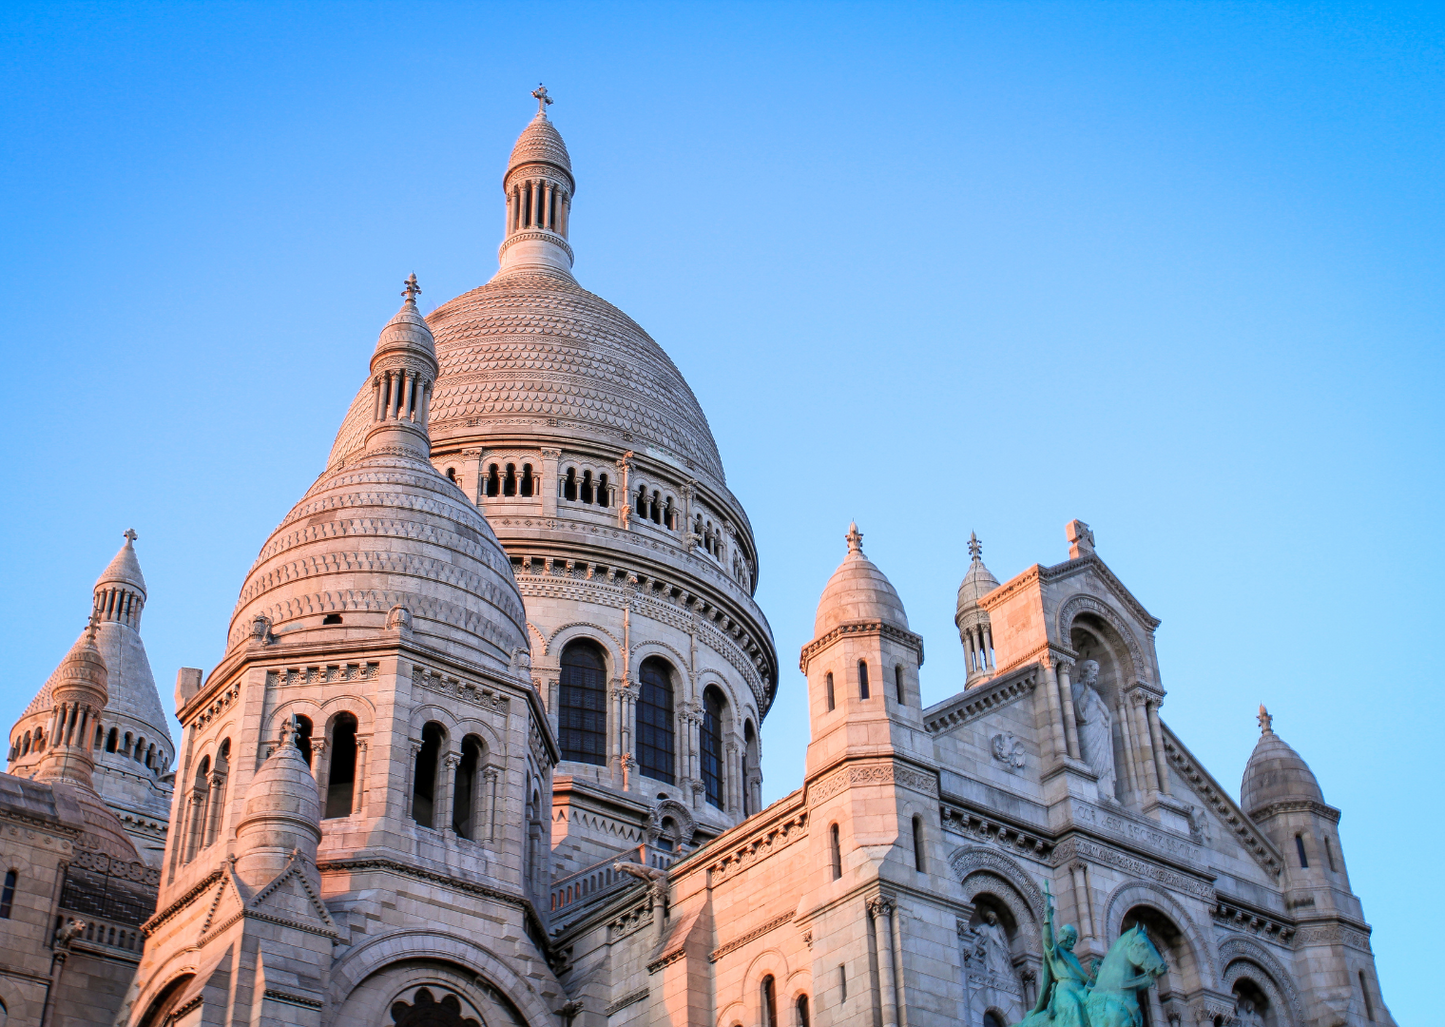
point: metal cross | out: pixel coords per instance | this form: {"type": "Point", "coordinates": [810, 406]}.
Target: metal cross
{"type": "Point", "coordinates": [1266, 722]}
{"type": "Point", "coordinates": [543, 100]}
{"type": "Point", "coordinates": [412, 290]}
{"type": "Point", "coordinates": [130, 535]}
{"type": "Point", "coordinates": [974, 546]}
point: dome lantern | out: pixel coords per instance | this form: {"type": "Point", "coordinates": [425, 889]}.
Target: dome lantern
{"type": "Point", "coordinates": [539, 188]}
{"type": "Point", "coordinates": [403, 373]}
{"type": "Point", "coordinates": [974, 629]}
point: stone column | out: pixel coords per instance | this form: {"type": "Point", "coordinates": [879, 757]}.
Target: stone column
{"type": "Point", "coordinates": [988, 646]}
{"type": "Point", "coordinates": [319, 770]}
{"type": "Point", "coordinates": [214, 802]}
{"type": "Point", "coordinates": [630, 694]}
{"type": "Point", "coordinates": [730, 777]}
{"type": "Point", "coordinates": [548, 484]}
{"type": "Point", "coordinates": [1137, 700]}
{"type": "Point", "coordinates": [1131, 755]}
{"type": "Point", "coordinates": [881, 910]}
{"type": "Point", "coordinates": [358, 788]}
{"type": "Point", "coordinates": [1066, 699]}
{"type": "Point", "coordinates": [491, 774]}
{"type": "Point", "coordinates": [1050, 692]}
{"type": "Point", "coordinates": [409, 778]}
{"type": "Point", "coordinates": [446, 786]}
{"type": "Point", "coordinates": [1156, 737]}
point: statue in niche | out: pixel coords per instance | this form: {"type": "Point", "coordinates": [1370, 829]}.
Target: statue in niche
{"type": "Point", "coordinates": [998, 958]}
{"type": "Point", "coordinates": [1096, 726]}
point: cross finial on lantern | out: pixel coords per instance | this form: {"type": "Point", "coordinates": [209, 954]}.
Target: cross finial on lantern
{"type": "Point", "coordinates": [412, 290]}
{"type": "Point", "coordinates": [1266, 722]}
{"type": "Point", "coordinates": [92, 625]}
{"type": "Point", "coordinates": [975, 547]}
{"type": "Point", "coordinates": [543, 100]}
{"type": "Point", "coordinates": [130, 536]}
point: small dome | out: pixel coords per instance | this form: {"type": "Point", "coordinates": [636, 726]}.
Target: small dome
{"type": "Point", "coordinates": [125, 568]}
{"type": "Point", "coordinates": [407, 331]}
{"type": "Point", "coordinates": [1276, 773]}
{"type": "Point", "coordinates": [283, 789]}
{"type": "Point", "coordinates": [858, 591]}
{"type": "Point", "coordinates": [83, 669]}
{"type": "Point", "coordinates": [979, 581]}
{"type": "Point", "coordinates": [541, 143]}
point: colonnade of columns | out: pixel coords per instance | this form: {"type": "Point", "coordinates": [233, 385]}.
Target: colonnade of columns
{"type": "Point", "coordinates": [978, 648]}
{"type": "Point", "coordinates": [402, 395]}
{"type": "Point", "coordinates": [538, 203]}
{"type": "Point", "coordinates": [486, 778]}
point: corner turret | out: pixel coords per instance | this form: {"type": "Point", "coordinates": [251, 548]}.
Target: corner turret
{"type": "Point", "coordinates": [974, 629]}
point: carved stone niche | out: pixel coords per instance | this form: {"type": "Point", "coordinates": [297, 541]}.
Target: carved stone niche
{"type": "Point", "coordinates": [670, 823]}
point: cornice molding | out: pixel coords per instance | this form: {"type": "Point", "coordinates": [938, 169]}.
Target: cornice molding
{"type": "Point", "coordinates": [1203, 785]}
{"type": "Point", "coordinates": [980, 700]}
{"type": "Point", "coordinates": [862, 627]}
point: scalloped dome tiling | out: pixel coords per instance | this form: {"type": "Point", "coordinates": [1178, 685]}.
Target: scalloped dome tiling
{"type": "Point", "coordinates": [540, 141]}
{"type": "Point", "coordinates": [534, 353]}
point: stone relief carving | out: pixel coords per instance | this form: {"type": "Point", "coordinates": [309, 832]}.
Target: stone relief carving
{"type": "Point", "coordinates": [1008, 749]}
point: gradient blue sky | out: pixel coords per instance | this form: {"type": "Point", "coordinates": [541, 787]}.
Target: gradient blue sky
{"type": "Point", "coordinates": [1172, 269]}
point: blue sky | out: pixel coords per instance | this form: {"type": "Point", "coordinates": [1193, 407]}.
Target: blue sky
{"type": "Point", "coordinates": [1174, 270]}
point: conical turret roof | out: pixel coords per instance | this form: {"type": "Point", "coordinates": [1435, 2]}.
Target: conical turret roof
{"type": "Point", "coordinates": [858, 591]}
{"type": "Point", "coordinates": [979, 581]}
{"type": "Point", "coordinates": [124, 569]}
{"type": "Point", "coordinates": [1275, 772]}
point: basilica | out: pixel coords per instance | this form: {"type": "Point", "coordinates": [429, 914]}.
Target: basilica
{"type": "Point", "coordinates": [484, 748]}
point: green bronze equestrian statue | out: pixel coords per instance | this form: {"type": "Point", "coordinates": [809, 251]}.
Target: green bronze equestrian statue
{"type": "Point", "coordinates": [1070, 997]}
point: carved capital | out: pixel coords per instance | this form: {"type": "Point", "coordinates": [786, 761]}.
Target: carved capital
{"type": "Point", "coordinates": [451, 761]}
{"type": "Point", "coordinates": [551, 454]}
{"type": "Point", "coordinates": [880, 907]}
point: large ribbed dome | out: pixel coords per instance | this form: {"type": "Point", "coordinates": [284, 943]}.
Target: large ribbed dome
{"type": "Point", "coordinates": [532, 352]}
{"type": "Point", "coordinates": [858, 591]}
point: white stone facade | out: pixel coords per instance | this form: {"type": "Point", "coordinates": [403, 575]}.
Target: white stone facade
{"type": "Point", "coordinates": [484, 745]}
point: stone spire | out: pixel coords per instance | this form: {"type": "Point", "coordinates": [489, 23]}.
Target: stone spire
{"type": "Point", "coordinates": [539, 188]}
{"type": "Point", "coordinates": [403, 372]}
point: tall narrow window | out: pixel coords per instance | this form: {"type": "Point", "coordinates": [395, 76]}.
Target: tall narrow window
{"type": "Point", "coordinates": [583, 715]}
{"type": "Point", "coordinates": [424, 781]}
{"type": "Point", "coordinates": [1329, 853]}
{"type": "Point", "coordinates": [835, 847]}
{"type": "Point", "coordinates": [842, 983]}
{"type": "Point", "coordinates": [918, 863]}
{"type": "Point", "coordinates": [509, 483]}
{"type": "Point", "coordinates": [464, 791]}
{"type": "Point", "coordinates": [711, 738]}
{"type": "Point", "coordinates": [604, 491]}
{"type": "Point", "coordinates": [494, 482]}
{"type": "Point", "coordinates": [770, 1002]}
{"type": "Point", "coordinates": [7, 896]}
{"type": "Point", "coordinates": [586, 494]}
{"type": "Point", "coordinates": [898, 682]}
{"type": "Point", "coordinates": [828, 681]}
{"type": "Point", "coordinates": [1299, 847]}
{"type": "Point", "coordinates": [341, 778]}
{"type": "Point", "coordinates": [569, 485]}
{"type": "Point", "coordinates": [802, 1007]}
{"type": "Point", "coordinates": [654, 720]}
{"type": "Point", "coordinates": [1364, 992]}
{"type": "Point", "coordinates": [200, 793]}
{"type": "Point", "coordinates": [527, 480]}
{"type": "Point", "coordinates": [862, 679]}
{"type": "Point", "coordinates": [303, 738]}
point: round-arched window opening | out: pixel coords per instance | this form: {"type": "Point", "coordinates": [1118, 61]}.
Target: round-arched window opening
{"type": "Point", "coordinates": [331, 618]}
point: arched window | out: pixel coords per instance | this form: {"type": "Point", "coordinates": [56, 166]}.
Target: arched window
{"type": "Point", "coordinates": [835, 847]}
{"type": "Point", "coordinates": [862, 679]}
{"type": "Point", "coordinates": [140, 745]}
{"type": "Point", "coordinates": [216, 800]}
{"type": "Point", "coordinates": [7, 895]}
{"type": "Point", "coordinates": [1329, 853]}
{"type": "Point", "coordinates": [464, 794]}
{"type": "Point", "coordinates": [303, 738]}
{"type": "Point", "coordinates": [842, 983]}
{"type": "Point", "coordinates": [832, 699]}
{"type": "Point", "coordinates": [604, 491]}
{"type": "Point", "coordinates": [654, 509]}
{"type": "Point", "coordinates": [569, 484]}
{"type": "Point", "coordinates": [509, 483]}
{"type": "Point", "coordinates": [150, 759]}
{"type": "Point", "coordinates": [528, 482]}
{"type": "Point", "coordinates": [200, 792]}
{"type": "Point", "coordinates": [1299, 847]}
{"type": "Point", "coordinates": [39, 739]}
{"type": "Point", "coordinates": [1364, 992]}
{"type": "Point", "coordinates": [801, 1007]}
{"type": "Point", "coordinates": [669, 515]}
{"type": "Point", "coordinates": [424, 776]}
{"type": "Point", "coordinates": [25, 743]}
{"type": "Point", "coordinates": [494, 482]}
{"type": "Point", "coordinates": [99, 736]}
{"type": "Point", "coordinates": [918, 863]}
{"type": "Point", "coordinates": [654, 720]}
{"type": "Point", "coordinates": [898, 683]}
{"type": "Point", "coordinates": [710, 736]}
{"type": "Point", "coordinates": [582, 717]}
{"type": "Point", "coordinates": [452, 475]}
{"type": "Point", "coordinates": [770, 1002]}
{"type": "Point", "coordinates": [341, 778]}
{"type": "Point", "coordinates": [586, 494]}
